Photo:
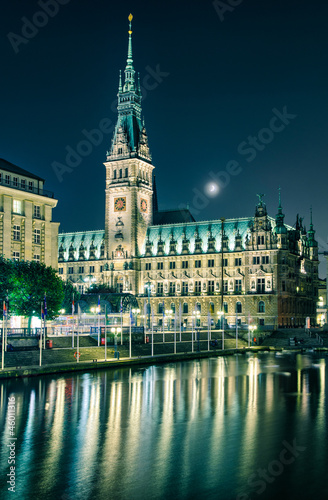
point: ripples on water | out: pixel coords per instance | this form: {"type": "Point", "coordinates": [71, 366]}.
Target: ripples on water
{"type": "Point", "coordinates": [220, 428]}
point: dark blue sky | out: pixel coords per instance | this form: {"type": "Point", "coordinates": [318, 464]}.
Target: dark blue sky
{"type": "Point", "coordinates": [223, 79]}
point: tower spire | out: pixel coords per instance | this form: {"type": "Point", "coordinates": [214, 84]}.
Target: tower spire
{"type": "Point", "coordinates": [129, 83]}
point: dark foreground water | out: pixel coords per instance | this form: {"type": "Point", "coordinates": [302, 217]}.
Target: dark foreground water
{"type": "Point", "coordinates": [224, 428]}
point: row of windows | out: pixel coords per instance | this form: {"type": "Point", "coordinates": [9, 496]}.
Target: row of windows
{"type": "Point", "coordinates": [18, 209]}
{"type": "Point", "coordinates": [265, 259]}
{"type": "Point", "coordinates": [16, 182]}
{"type": "Point", "coordinates": [16, 256]}
{"type": "Point", "coordinates": [119, 174]}
{"type": "Point", "coordinates": [238, 286]}
{"type": "Point", "coordinates": [185, 308]}
{"type": "Point", "coordinates": [82, 269]}
{"type": "Point", "coordinates": [17, 234]}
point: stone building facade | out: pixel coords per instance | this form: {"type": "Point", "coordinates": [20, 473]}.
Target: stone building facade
{"type": "Point", "coordinates": [27, 231]}
{"type": "Point", "coordinates": [256, 268]}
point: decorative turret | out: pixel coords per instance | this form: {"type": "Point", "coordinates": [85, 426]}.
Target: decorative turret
{"type": "Point", "coordinates": [130, 136]}
{"type": "Point", "coordinates": [280, 227]}
{"type": "Point", "coordinates": [311, 239]}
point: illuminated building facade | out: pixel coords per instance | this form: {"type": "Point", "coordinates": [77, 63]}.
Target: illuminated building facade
{"type": "Point", "coordinates": [256, 268]}
{"type": "Point", "coordinates": [27, 231]}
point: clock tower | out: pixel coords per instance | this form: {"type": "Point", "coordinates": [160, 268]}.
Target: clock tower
{"type": "Point", "coordinates": [129, 184]}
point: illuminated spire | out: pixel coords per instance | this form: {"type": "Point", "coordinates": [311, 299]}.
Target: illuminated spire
{"type": "Point", "coordinates": [129, 83]}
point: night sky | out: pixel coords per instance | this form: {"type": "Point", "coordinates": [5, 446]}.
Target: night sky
{"type": "Point", "coordinates": [221, 76]}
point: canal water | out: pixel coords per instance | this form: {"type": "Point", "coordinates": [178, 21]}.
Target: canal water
{"type": "Point", "coordinates": [240, 427]}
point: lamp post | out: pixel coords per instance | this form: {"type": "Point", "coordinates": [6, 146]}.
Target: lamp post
{"type": "Point", "coordinates": [115, 331]}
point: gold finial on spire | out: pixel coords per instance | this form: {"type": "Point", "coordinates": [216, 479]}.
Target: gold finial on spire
{"type": "Point", "coordinates": [130, 20]}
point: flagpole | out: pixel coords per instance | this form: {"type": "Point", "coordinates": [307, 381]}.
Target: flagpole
{"type": "Point", "coordinates": [3, 337]}
{"type": "Point", "coordinates": [236, 331]}
{"type": "Point", "coordinates": [121, 322]}
{"type": "Point", "coordinates": [208, 330]}
{"type": "Point", "coordinates": [40, 340]}
{"type": "Point", "coordinates": [192, 334]}
{"type": "Point", "coordinates": [180, 318]}
{"type": "Point", "coordinates": [73, 310]}
{"type": "Point", "coordinates": [175, 331]}
{"type": "Point", "coordinates": [152, 332]}
{"type": "Point", "coordinates": [105, 333]}
{"type": "Point", "coordinates": [77, 340]}
{"type": "Point", "coordinates": [44, 321]}
{"type": "Point", "coordinates": [130, 342]}
{"type": "Point", "coordinates": [6, 326]}
{"type": "Point", "coordinates": [163, 321]}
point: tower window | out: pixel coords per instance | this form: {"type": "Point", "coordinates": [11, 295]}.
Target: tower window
{"type": "Point", "coordinates": [126, 172]}
{"type": "Point", "coordinates": [120, 173]}
{"type": "Point", "coordinates": [120, 151]}
{"type": "Point", "coordinates": [114, 174]}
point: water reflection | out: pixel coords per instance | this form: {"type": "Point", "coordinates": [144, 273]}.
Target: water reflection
{"type": "Point", "coordinates": [185, 430]}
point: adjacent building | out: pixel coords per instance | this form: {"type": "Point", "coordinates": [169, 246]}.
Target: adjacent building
{"type": "Point", "coordinates": [253, 268]}
{"type": "Point", "coordinates": [27, 231]}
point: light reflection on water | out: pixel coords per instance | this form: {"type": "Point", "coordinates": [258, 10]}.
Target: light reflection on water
{"type": "Point", "coordinates": [199, 429]}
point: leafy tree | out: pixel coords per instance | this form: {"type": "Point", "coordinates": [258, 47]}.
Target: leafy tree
{"type": "Point", "coordinates": [27, 284]}
{"type": "Point", "coordinates": [69, 290]}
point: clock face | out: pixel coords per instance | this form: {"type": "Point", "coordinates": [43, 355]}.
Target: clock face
{"type": "Point", "coordinates": [143, 205]}
{"type": "Point", "coordinates": [119, 204]}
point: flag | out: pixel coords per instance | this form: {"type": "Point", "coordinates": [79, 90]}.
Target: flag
{"type": "Point", "coordinates": [4, 309]}
{"type": "Point", "coordinates": [98, 304]}
{"type": "Point", "coordinates": [45, 305]}
{"type": "Point", "coordinates": [163, 309]}
{"type": "Point", "coordinates": [121, 308]}
{"type": "Point", "coordinates": [131, 316]}
{"type": "Point", "coordinates": [42, 311]}
{"type": "Point", "coordinates": [73, 305]}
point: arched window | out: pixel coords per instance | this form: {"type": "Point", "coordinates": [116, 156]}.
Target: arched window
{"type": "Point", "coordinates": [261, 306]}
{"type": "Point", "coordinates": [160, 308]}
{"type": "Point", "coordinates": [225, 307]}
{"type": "Point", "coordinates": [211, 307]}
{"type": "Point", "coordinates": [173, 307]}
{"type": "Point", "coordinates": [114, 174]}
{"type": "Point", "coordinates": [238, 307]}
{"type": "Point", "coordinates": [185, 308]}
{"type": "Point", "coordinates": [198, 307]}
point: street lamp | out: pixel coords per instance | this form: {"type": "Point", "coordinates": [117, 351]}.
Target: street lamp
{"type": "Point", "coordinates": [115, 331]}
{"type": "Point", "coordinates": [89, 279]}
{"type": "Point", "coordinates": [135, 313]}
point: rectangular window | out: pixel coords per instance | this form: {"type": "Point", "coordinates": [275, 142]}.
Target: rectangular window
{"type": "Point", "coordinates": [148, 266]}
{"type": "Point", "coordinates": [37, 236]}
{"type": "Point", "coordinates": [283, 286]}
{"type": "Point", "coordinates": [36, 258]}
{"type": "Point", "coordinates": [37, 211]}
{"type": "Point", "coordinates": [23, 184]}
{"type": "Point", "coordinates": [60, 270]}
{"type": "Point", "coordinates": [210, 287]}
{"type": "Point", "coordinates": [159, 265]}
{"type": "Point", "coordinates": [256, 261]}
{"type": "Point", "coordinates": [210, 263]}
{"type": "Point", "coordinates": [185, 264]}
{"type": "Point", "coordinates": [265, 259]}
{"type": "Point", "coordinates": [260, 240]}
{"type": "Point", "coordinates": [15, 255]}
{"type": "Point", "coordinates": [114, 174]}
{"type": "Point", "coordinates": [260, 285]}
{"type": "Point", "coordinates": [172, 265]}
{"type": "Point", "coordinates": [101, 269]}
{"type": "Point", "coordinates": [70, 270]}
{"type": "Point", "coordinates": [15, 181]}
{"type": "Point", "coordinates": [81, 270]}
{"type": "Point", "coordinates": [198, 287]}
{"type": "Point", "coordinates": [126, 172]}
{"type": "Point", "coordinates": [238, 261]}
{"type": "Point", "coordinates": [160, 288]}
{"type": "Point", "coordinates": [225, 286]}
{"type": "Point", "coordinates": [198, 263]}
{"type": "Point", "coordinates": [17, 206]}
{"type": "Point", "coordinates": [16, 233]}
{"type": "Point", "coordinates": [81, 289]}
{"type": "Point", "coordinates": [237, 285]}
{"type": "Point", "coordinates": [185, 288]}
{"type": "Point", "coordinates": [225, 262]}
{"type": "Point", "coordinates": [172, 287]}
{"type": "Point", "coordinates": [120, 173]}
{"type": "Point", "coordinates": [30, 185]}
{"type": "Point", "coordinates": [91, 269]}
{"type": "Point", "coordinates": [7, 179]}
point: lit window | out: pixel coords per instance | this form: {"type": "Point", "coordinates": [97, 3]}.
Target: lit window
{"type": "Point", "coordinates": [15, 255]}
{"type": "Point", "coordinates": [17, 206]}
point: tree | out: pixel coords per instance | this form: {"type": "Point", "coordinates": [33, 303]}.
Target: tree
{"type": "Point", "coordinates": [32, 282]}
{"type": "Point", "coordinates": [6, 280]}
